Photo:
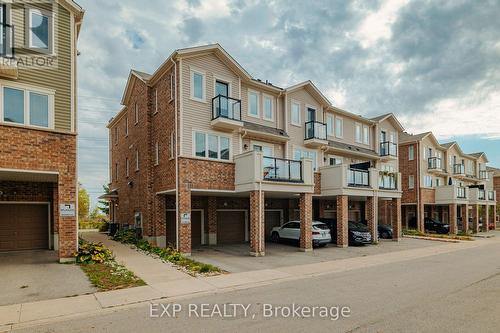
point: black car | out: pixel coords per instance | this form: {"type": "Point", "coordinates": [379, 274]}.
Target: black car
{"type": "Point", "coordinates": [384, 230]}
{"type": "Point", "coordinates": [436, 226]}
{"type": "Point", "coordinates": [358, 232]}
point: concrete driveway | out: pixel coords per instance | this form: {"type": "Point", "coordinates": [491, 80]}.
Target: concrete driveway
{"type": "Point", "coordinates": [235, 258]}
{"type": "Point", "coordinates": [30, 276]}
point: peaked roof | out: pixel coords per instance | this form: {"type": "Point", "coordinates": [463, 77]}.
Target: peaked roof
{"type": "Point", "coordinates": [478, 155]}
{"type": "Point", "coordinates": [391, 116]}
{"type": "Point", "coordinates": [312, 89]}
{"type": "Point", "coordinates": [142, 75]}
{"type": "Point", "coordinates": [407, 137]}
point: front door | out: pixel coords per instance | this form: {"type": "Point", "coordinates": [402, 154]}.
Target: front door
{"type": "Point", "coordinates": [222, 89]}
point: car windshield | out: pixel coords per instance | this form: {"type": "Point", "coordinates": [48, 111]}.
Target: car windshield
{"type": "Point", "coordinates": [357, 226]}
{"type": "Point", "coordinates": [320, 226]}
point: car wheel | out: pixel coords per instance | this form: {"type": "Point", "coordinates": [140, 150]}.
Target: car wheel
{"type": "Point", "coordinates": [275, 237]}
{"type": "Point", "coordinates": [384, 235]}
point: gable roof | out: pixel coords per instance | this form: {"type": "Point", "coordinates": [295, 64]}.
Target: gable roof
{"type": "Point", "coordinates": [478, 155]}
{"type": "Point", "coordinates": [132, 76]}
{"type": "Point", "coordinates": [407, 137]}
{"type": "Point", "coordinates": [391, 116]}
{"type": "Point", "coordinates": [311, 88]}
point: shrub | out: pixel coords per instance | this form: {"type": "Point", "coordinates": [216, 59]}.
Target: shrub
{"type": "Point", "coordinates": [126, 236]}
{"type": "Point", "coordinates": [89, 253]}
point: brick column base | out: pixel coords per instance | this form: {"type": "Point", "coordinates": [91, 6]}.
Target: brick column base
{"type": "Point", "coordinates": [66, 226]}
{"type": "Point", "coordinates": [453, 219]}
{"type": "Point", "coordinates": [485, 218]}
{"type": "Point", "coordinates": [421, 217]}
{"type": "Point", "coordinates": [492, 216]}
{"type": "Point", "coordinates": [396, 219]}
{"type": "Point", "coordinates": [465, 218]}
{"type": "Point", "coordinates": [184, 245]}
{"type": "Point", "coordinates": [371, 217]}
{"type": "Point", "coordinates": [342, 219]}
{"type": "Point", "coordinates": [257, 229]}
{"type": "Point", "coordinates": [212, 221]}
{"type": "Point", "coordinates": [305, 207]}
{"type": "Point", "coordinates": [475, 219]}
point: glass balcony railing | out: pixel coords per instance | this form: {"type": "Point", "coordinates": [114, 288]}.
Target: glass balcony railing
{"type": "Point", "coordinates": [434, 163]}
{"type": "Point", "coordinates": [6, 40]}
{"type": "Point", "coordinates": [388, 149]}
{"type": "Point", "coordinates": [226, 107]}
{"type": "Point", "coordinates": [459, 169]}
{"type": "Point", "coordinates": [315, 130]}
{"type": "Point", "coordinates": [279, 169]}
{"type": "Point", "coordinates": [461, 193]}
{"type": "Point", "coordinates": [358, 178]}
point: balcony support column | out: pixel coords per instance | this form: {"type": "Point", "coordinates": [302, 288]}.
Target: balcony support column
{"type": "Point", "coordinates": [212, 221]}
{"type": "Point", "coordinates": [184, 225]}
{"type": "Point", "coordinates": [257, 224]}
{"type": "Point", "coordinates": [475, 218]}
{"type": "Point", "coordinates": [342, 219]}
{"type": "Point", "coordinates": [396, 219]}
{"type": "Point", "coordinates": [485, 218]}
{"type": "Point", "coordinates": [452, 213]}
{"type": "Point", "coordinates": [420, 216]}
{"type": "Point", "coordinates": [465, 218]}
{"type": "Point", "coordinates": [492, 216]}
{"type": "Point", "coordinates": [371, 216]}
{"type": "Point", "coordinates": [305, 206]}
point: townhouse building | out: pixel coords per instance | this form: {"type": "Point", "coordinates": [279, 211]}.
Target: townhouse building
{"type": "Point", "coordinates": [442, 182]}
{"type": "Point", "coordinates": [38, 176]}
{"type": "Point", "coordinates": [496, 187]}
{"type": "Point", "coordinates": [202, 153]}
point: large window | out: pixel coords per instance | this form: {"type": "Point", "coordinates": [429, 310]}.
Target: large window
{"type": "Point", "coordinates": [411, 153]}
{"type": "Point", "coordinates": [26, 107]}
{"type": "Point", "coordinates": [329, 125]}
{"type": "Point", "coordinates": [357, 137]}
{"type": "Point", "coordinates": [39, 30]}
{"type": "Point", "coordinates": [302, 153]}
{"type": "Point", "coordinates": [295, 114]}
{"type": "Point", "coordinates": [428, 181]}
{"type": "Point", "coordinates": [411, 182]}
{"type": "Point", "coordinates": [253, 104]}
{"type": "Point", "coordinates": [366, 135]}
{"type": "Point", "coordinates": [211, 146]}
{"type": "Point", "coordinates": [198, 86]}
{"type": "Point", "coordinates": [268, 108]}
{"type": "Point", "coordinates": [339, 127]}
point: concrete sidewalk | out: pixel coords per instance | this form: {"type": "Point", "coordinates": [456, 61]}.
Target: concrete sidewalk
{"type": "Point", "coordinates": [31, 314]}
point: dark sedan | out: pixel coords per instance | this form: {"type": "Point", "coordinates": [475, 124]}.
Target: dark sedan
{"type": "Point", "coordinates": [436, 226]}
{"type": "Point", "coordinates": [358, 232]}
{"type": "Point", "coordinates": [384, 230]}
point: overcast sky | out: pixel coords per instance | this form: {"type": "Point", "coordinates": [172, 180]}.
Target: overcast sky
{"type": "Point", "coordinates": [435, 64]}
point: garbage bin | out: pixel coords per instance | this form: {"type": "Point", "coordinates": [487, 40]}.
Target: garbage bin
{"type": "Point", "coordinates": [113, 228]}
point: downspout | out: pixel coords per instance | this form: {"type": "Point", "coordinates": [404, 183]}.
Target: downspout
{"type": "Point", "coordinates": [176, 161]}
{"type": "Point", "coordinates": [259, 229]}
{"type": "Point", "coordinates": [417, 184]}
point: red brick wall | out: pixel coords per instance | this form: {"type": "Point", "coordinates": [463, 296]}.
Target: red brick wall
{"type": "Point", "coordinates": [342, 218]}
{"type": "Point", "coordinates": [428, 195]}
{"type": "Point", "coordinates": [30, 149]}
{"type": "Point", "coordinates": [305, 206]}
{"type": "Point", "coordinates": [257, 228]}
{"type": "Point", "coordinates": [408, 168]}
{"type": "Point", "coordinates": [205, 174]}
{"type": "Point", "coordinates": [317, 183]}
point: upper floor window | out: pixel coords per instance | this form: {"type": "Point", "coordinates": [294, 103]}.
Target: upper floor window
{"type": "Point", "coordinates": [411, 153]}
{"type": "Point", "coordinates": [172, 86]}
{"type": "Point", "coordinates": [366, 135]}
{"type": "Point", "coordinates": [411, 181]}
{"type": "Point", "coordinates": [339, 127]}
{"type": "Point", "coordinates": [126, 126]}
{"type": "Point", "coordinates": [268, 108]}
{"type": "Point", "coordinates": [27, 107]}
{"type": "Point", "coordinates": [116, 135]}
{"type": "Point", "coordinates": [335, 160]}
{"type": "Point", "coordinates": [198, 86]}
{"type": "Point", "coordinates": [136, 113]}
{"type": "Point", "coordinates": [156, 100]}
{"type": "Point", "coordinates": [127, 169]}
{"type": "Point", "coordinates": [253, 104]}
{"type": "Point", "coordinates": [329, 125]}
{"type": "Point", "coordinates": [172, 144]}
{"type": "Point", "coordinates": [357, 133]}
{"type": "Point", "coordinates": [39, 30]}
{"type": "Point", "coordinates": [211, 146]}
{"type": "Point", "coordinates": [295, 114]}
{"type": "Point", "coordinates": [157, 153]}
{"type": "Point", "coordinates": [428, 181]}
{"type": "Point", "coordinates": [136, 160]}
{"type": "Point", "coordinates": [299, 153]}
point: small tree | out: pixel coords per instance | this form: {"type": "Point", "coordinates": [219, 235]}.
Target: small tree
{"type": "Point", "coordinates": [103, 205]}
{"type": "Point", "coordinates": [83, 202]}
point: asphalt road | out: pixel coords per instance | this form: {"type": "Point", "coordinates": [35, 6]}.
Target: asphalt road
{"type": "Point", "coordinates": [453, 292]}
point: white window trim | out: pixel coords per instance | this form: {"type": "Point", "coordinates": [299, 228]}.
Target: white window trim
{"type": "Point", "coordinates": [225, 80]}
{"type": "Point", "coordinates": [264, 96]}
{"type": "Point", "coordinates": [203, 85]}
{"type": "Point", "coordinates": [367, 142]}
{"type": "Point", "coordinates": [157, 153]}
{"type": "Point", "coordinates": [263, 144]}
{"type": "Point", "coordinates": [332, 130]}
{"type": "Point", "coordinates": [411, 156]}
{"type": "Point", "coordinates": [356, 138]}
{"type": "Point", "coordinates": [136, 160]}
{"type": "Point", "coordinates": [171, 87]}
{"type": "Point", "coordinates": [156, 100]}
{"type": "Point", "coordinates": [302, 149]}
{"type": "Point", "coordinates": [28, 11]}
{"type": "Point", "coordinates": [337, 134]}
{"type": "Point", "coordinates": [250, 92]}
{"type": "Point", "coordinates": [411, 182]}
{"type": "Point", "coordinates": [136, 113]}
{"type": "Point", "coordinates": [27, 89]}
{"type": "Point", "coordinates": [298, 124]}
{"type": "Point", "coordinates": [172, 145]}
{"type": "Point", "coordinates": [219, 135]}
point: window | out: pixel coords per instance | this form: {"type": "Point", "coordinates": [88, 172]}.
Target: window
{"type": "Point", "coordinates": [302, 153]}
{"type": "Point", "coordinates": [172, 87]}
{"type": "Point", "coordinates": [329, 125]}
{"type": "Point", "coordinates": [253, 104]}
{"type": "Point", "coordinates": [411, 181]}
{"type": "Point", "coordinates": [266, 150]}
{"type": "Point", "coordinates": [116, 171]}
{"type": "Point", "coordinates": [425, 153]}
{"type": "Point", "coordinates": [295, 114]}
{"type": "Point", "coordinates": [268, 108]}
{"type": "Point", "coordinates": [39, 30]}
{"type": "Point", "coordinates": [136, 160]}
{"type": "Point", "coordinates": [335, 160]}
{"type": "Point", "coordinates": [172, 144]}
{"type": "Point", "coordinates": [428, 181]}
{"type": "Point", "coordinates": [138, 220]}
{"type": "Point", "coordinates": [438, 182]}
{"type": "Point", "coordinates": [357, 136]}
{"type": "Point", "coordinates": [211, 146]}
{"type": "Point", "coordinates": [411, 153]}
{"type": "Point", "coordinates": [126, 167]}
{"type": "Point", "coordinates": [157, 154]}
{"type": "Point", "coordinates": [26, 107]}
{"type": "Point", "coordinates": [136, 113]}
{"type": "Point", "coordinates": [198, 86]}
{"type": "Point", "coordinates": [339, 127]}
{"type": "Point", "coordinates": [126, 126]}
{"type": "Point", "coordinates": [156, 100]}
{"type": "Point", "coordinates": [366, 135]}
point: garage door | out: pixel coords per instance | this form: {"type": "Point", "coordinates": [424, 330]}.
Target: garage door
{"type": "Point", "coordinates": [272, 219]}
{"type": "Point", "coordinates": [230, 227]}
{"type": "Point", "coordinates": [23, 227]}
{"type": "Point", "coordinates": [195, 228]}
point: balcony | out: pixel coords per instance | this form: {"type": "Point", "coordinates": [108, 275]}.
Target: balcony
{"type": "Point", "coordinates": [315, 134]}
{"type": "Point", "coordinates": [483, 174]}
{"type": "Point", "coordinates": [389, 181]}
{"type": "Point", "coordinates": [450, 194]}
{"type": "Point", "coordinates": [8, 64]}
{"type": "Point", "coordinates": [226, 113]}
{"type": "Point", "coordinates": [253, 171]}
{"type": "Point", "coordinates": [388, 150]}
{"type": "Point", "coordinates": [459, 170]}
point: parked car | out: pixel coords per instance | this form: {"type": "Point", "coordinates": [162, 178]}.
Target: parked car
{"type": "Point", "coordinates": [384, 230]}
{"type": "Point", "coordinates": [491, 226]}
{"type": "Point", "coordinates": [436, 226]}
{"type": "Point", "coordinates": [358, 232]}
{"type": "Point", "coordinates": [291, 231]}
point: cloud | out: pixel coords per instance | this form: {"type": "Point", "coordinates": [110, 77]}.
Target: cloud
{"type": "Point", "coordinates": [435, 65]}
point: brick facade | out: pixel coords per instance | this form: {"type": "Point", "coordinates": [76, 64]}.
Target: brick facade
{"type": "Point", "coordinates": [407, 168]}
{"type": "Point", "coordinates": [396, 219]}
{"type": "Point", "coordinates": [453, 218]}
{"type": "Point", "coordinates": [465, 218]}
{"type": "Point", "coordinates": [371, 217]}
{"type": "Point", "coordinates": [305, 206]}
{"type": "Point", "coordinates": [475, 219]}
{"type": "Point", "coordinates": [342, 219]}
{"type": "Point", "coordinates": [257, 223]}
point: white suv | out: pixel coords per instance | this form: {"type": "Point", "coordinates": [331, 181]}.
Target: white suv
{"type": "Point", "coordinates": [291, 231]}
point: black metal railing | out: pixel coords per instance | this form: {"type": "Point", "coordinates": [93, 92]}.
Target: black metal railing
{"type": "Point", "coordinates": [6, 40]}
{"type": "Point", "coordinates": [483, 174]}
{"type": "Point", "coordinates": [283, 170]}
{"type": "Point", "coordinates": [226, 107]}
{"type": "Point", "coordinates": [434, 163]}
{"type": "Point", "coordinates": [461, 193]}
{"type": "Point", "coordinates": [315, 130]}
{"type": "Point", "coordinates": [491, 195]}
{"type": "Point", "coordinates": [481, 194]}
{"type": "Point", "coordinates": [388, 148]}
{"type": "Point", "coordinates": [459, 169]}
{"type": "Point", "coordinates": [387, 181]}
{"type": "Point", "coordinates": [358, 178]}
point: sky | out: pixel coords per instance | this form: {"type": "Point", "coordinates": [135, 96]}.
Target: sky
{"type": "Point", "coordinates": [434, 64]}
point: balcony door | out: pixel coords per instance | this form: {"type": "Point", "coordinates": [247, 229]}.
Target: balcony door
{"type": "Point", "coordinates": [222, 89]}
{"type": "Point", "coordinates": [311, 116]}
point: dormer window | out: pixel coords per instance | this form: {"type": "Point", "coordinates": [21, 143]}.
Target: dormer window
{"type": "Point", "coordinates": [39, 30]}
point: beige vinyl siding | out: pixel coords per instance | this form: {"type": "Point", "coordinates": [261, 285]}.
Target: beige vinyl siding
{"type": "Point", "coordinates": [277, 107]}
{"type": "Point", "coordinates": [424, 166]}
{"type": "Point", "coordinates": [198, 115]}
{"type": "Point", "coordinates": [279, 149]}
{"type": "Point", "coordinates": [387, 126]}
{"type": "Point", "coordinates": [58, 78]}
